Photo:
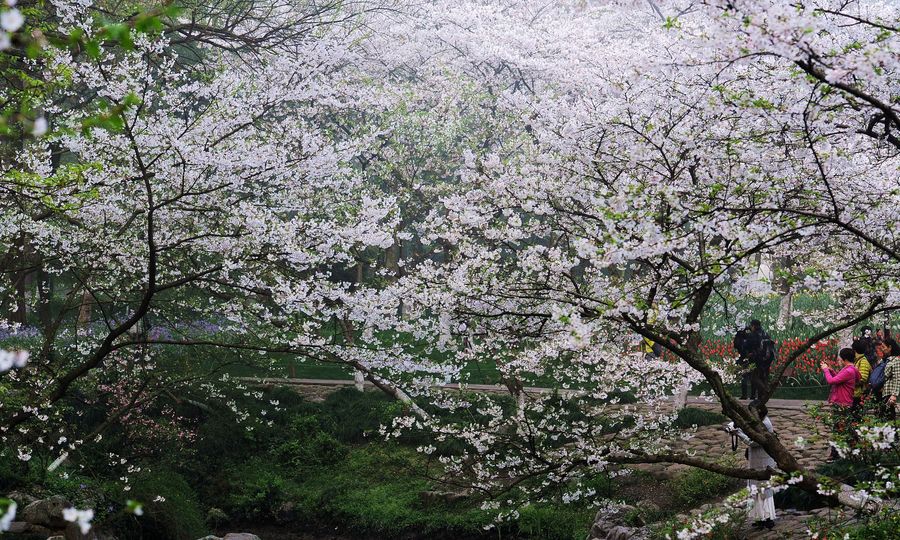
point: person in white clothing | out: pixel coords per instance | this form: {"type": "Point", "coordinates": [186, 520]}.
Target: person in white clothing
{"type": "Point", "coordinates": [762, 511]}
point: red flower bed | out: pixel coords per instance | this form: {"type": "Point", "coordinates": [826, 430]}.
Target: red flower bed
{"type": "Point", "coordinates": [808, 362]}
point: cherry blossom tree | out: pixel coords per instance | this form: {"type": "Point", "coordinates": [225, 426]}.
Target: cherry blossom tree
{"type": "Point", "coordinates": [638, 203]}
{"type": "Point", "coordinates": [536, 185]}
{"type": "Point", "coordinates": [218, 194]}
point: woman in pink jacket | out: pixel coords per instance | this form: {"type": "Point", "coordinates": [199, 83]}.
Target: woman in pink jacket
{"type": "Point", "coordinates": [842, 383]}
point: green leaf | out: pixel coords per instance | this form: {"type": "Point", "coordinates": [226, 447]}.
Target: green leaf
{"type": "Point", "coordinates": [92, 49]}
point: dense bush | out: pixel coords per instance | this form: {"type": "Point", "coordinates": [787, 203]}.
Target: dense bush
{"type": "Point", "coordinates": [308, 442]}
{"type": "Point", "coordinates": [794, 497]}
{"type": "Point", "coordinates": [178, 517]}
{"type": "Point", "coordinates": [884, 526]}
{"type": "Point", "coordinates": [256, 490]}
{"type": "Point", "coordinates": [553, 522]}
{"type": "Point", "coordinates": [691, 416]}
{"type": "Point", "coordinates": [697, 486]}
{"type": "Point", "coordinates": [356, 416]}
{"type": "Point", "coordinates": [319, 464]}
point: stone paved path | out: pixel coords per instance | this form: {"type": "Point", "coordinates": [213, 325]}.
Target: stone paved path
{"type": "Point", "coordinates": [793, 524]}
{"type": "Point", "coordinates": [791, 422]}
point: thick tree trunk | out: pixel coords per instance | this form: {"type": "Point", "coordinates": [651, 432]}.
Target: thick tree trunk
{"type": "Point", "coordinates": [781, 269]}
{"type": "Point", "coordinates": [20, 312]}
{"type": "Point", "coordinates": [785, 307]}
{"type": "Point", "coordinates": [15, 263]}
{"type": "Point", "coordinates": [84, 313]}
{"type": "Point", "coordinates": [45, 295]}
{"type": "Point", "coordinates": [680, 398]}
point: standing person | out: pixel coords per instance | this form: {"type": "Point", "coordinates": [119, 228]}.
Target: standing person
{"type": "Point", "coordinates": [650, 348]}
{"type": "Point", "coordinates": [762, 510]}
{"type": "Point", "coordinates": [843, 384]}
{"type": "Point", "coordinates": [862, 364]}
{"type": "Point", "coordinates": [891, 389]}
{"type": "Point", "coordinates": [763, 356]}
{"type": "Point", "coordinates": [883, 353]}
{"type": "Point", "coordinates": [756, 352]}
{"type": "Point", "coordinates": [868, 338]}
{"type": "Point", "coordinates": [744, 345]}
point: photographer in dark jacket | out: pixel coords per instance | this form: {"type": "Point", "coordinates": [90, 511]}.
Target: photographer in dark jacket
{"type": "Point", "coordinates": [756, 353]}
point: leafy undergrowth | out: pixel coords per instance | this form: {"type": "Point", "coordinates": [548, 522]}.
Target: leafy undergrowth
{"type": "Point", "coordinates": [882, 526]}
{"type": "Point", "coordinates": [317, 467]}
{"type": "Point", "coordinates": [323, 467]}
{"type": "Point", "coordinates": [691, 416]}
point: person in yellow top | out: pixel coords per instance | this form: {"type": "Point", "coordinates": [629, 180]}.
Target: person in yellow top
{"type": "Point", "coordinates": [865, 368]}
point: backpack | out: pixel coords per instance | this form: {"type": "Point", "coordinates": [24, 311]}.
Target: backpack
{"type": "Point", "coordinates": [876, 378]}
{"type": "Point", "coordinates": [740, 343]}
{"type": "Point", "coordinates": [767, 358]}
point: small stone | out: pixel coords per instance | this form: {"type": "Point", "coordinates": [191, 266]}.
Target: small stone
{"type": "Point", "coordinates": [241, 536]}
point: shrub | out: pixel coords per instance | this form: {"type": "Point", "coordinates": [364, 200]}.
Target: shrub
{"type": "Point", "coordinates": [179, 517]}
{"type": "Point", "coordinates": [881, 527]}
{"type": "Point", "coordinates": [78, 489]}
{"type": "Point", "coordinates": [216, 517]}
{"type": "Point", "coordinates": [308, 444]}
{"type": "Point", "coordinates": [558, 522]}
{"type": "Point", "coordinates": [691, 416]}
{"type": "Point", "coordinates": [257, 490]}
{"type": "Point", "coordinates": [729, 530]}
{"type": "Point", "coordinates": [697, 486]}
{"type": "Point", "coordinates": [794, 497]}
{"type": "Point", "coordinates": [376, 491]}
{"type": "Point", "coordinates": [12, 470]}
{"type": "Point", "coordinates": [356, 415]}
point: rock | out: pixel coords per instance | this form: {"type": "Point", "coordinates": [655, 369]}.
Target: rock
{"type": "Point", "coordinates": [445, 497]}
{"type": "Point", "coordinates": [647, 507]}
{"type": "Point", "coordinates": [22, 499]}
{"type": "Point", "coordinates": [241, 536]}
{"type": "Point", "coordinates": [623, 533]}
{"type": "Point", "coordinates": [286, 513]}
{"type": "Point", "coordinates": [73, 532]}
{"type": "Point", "coordinates": [57, 537]}
{"type": "Point", "coordinates": [601, 527]}
{"type": "Point", "coordinates": [210, 537]}
{"type": "Point", "coordinates": [47, 512]}
{"type": "Point", "coordinates": [18, 527]}
{"type": "Point", "coordinates": [23, 527]}
{"type": "Point", "coordinates": [623, 511]}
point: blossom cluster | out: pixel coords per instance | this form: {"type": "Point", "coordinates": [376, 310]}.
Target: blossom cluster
{"type": "Point", "coordinates": [12, 359]}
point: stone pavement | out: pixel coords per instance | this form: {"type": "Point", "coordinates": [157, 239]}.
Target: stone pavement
{"type": "Point", "coordinates": [792, 423]}
{"type": "Point", "coordinates": [793, 524]}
